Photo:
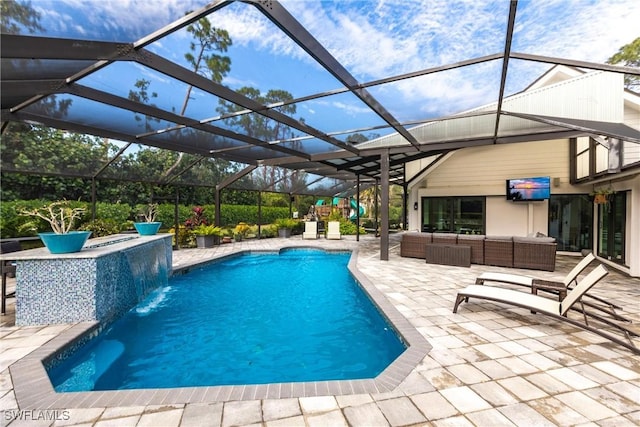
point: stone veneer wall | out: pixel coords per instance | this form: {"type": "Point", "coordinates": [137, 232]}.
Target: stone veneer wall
{"type": "Point", "coordinates": [97, 288]}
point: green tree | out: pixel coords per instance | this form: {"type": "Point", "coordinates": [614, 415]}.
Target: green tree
{"type": "Point", "coordinates": [629, 55]}
{"type": "Point", "coordinates": [207, 40]}
{"type": "Point", "coordinates": [142, 95]}
{"type": "Point", "coordinates": [15, 16]}
{"type": "Point", "coordinates": [265, 129]}
{"type": "Point", "coordinates": [50, 154]}
{"type": "Point", "coordinates": [203, 60]}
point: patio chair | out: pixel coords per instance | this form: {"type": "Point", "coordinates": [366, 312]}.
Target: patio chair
{"type": "Point", "coordinates": [8, 268]}
{"type": "Point", "coordinates": [567, 283]}
{"type": "Point", "coordinates": [498, 250]}
{"type": "Point", "coordinates": [310, 230]}
{"type": "Point", "coordinates": [552, 308]}
{"type": "Point", "coordinates": [413, 244]}
{"type": "Point", "coordinates": [333, 230]}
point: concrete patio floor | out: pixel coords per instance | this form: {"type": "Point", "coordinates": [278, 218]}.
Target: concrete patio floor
{"type": "Point", "coordinates": [490, 364]}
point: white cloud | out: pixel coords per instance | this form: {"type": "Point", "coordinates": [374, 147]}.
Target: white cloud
{"type": "Point", "coordinates": [383, 38]}
{"type": "Point", "coordinates": [576, 29]}
{"type": "Point", "coordinates": [248, 27]}
{"type": "Point", "coordinates": [94, 19]}
{"type": "Point", "coordinates": [350, 109]}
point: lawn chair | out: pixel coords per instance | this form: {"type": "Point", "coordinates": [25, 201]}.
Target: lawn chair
{"type": "Point", "coordinates": [310, 230]}
{"type": "Point", "coordinates": [333, 230]}
{"type": "Point", "coordinates": [556, 309]}
{"type": "Point", "coordinates": [8, 268]}
{"type": "Point", "coordinates": [566, 284]}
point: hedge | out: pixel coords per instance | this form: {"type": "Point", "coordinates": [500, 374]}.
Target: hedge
{"type": "Point", "coordinates": [123, 215]}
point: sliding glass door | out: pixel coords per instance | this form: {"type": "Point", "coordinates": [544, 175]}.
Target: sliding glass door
{"type": "Point", "coordinates": [571, 222]}
{"type": "Point", "coordinates": [611, 227]}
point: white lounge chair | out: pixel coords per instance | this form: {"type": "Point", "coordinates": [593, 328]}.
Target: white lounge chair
{"type": "Point", "coordinates": [569, 281]}
{"type": "Point", "coordinates": [550, 307]}
{"type": "Point", "coordinates": [519, 279]}
{"type": "Point", "coordinates": [333, 230]}
{"type": "Point", "coordinates": [310, 230]}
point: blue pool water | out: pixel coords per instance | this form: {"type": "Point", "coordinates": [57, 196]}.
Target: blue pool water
{"type": "Point", "coordinates": [251, 319]}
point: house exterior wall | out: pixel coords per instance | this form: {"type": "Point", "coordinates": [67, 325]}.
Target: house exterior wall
{"type": "Point", "coordinates": [482, 171]}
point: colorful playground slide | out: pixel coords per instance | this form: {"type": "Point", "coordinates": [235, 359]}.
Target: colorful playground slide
{"type": "Point", "coordinates": [352, 213]}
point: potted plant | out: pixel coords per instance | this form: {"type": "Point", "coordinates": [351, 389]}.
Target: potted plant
{"type": "Point", "coordinates": [285, 225]}
{"type": "Point", "coordinates": [60, 215]}
{"type": "Point", "coordinates": [227, 235]}
{"type": "Point", "coordinates": [602, 195]}
{"type": "Point", "coordinates": [241, 230]}
{"type": "Point", "coordinates": [207, 236]}
{"type": "Point", "coordinates": [147, 224]}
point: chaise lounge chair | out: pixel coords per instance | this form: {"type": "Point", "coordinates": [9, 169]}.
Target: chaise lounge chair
{"type": "Point", "coordinates": [549, 307]}
{"type": "Point", "coordinates": [518, 279]}
{"type": "Point", "coordinates": [310, 230]}
{"type": "Point", "coordinates": [567, 283]}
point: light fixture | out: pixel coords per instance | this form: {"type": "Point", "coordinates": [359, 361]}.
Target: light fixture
{"type": "Point", "coordinates": [415, 206]}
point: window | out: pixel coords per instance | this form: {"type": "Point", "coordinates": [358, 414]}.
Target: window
{"type": "Point", "coordinates": [590, 157]}
{"type": "Point", "coordinates": [462, 215]}
{"type": "Point", "coordinates": [582, 158]}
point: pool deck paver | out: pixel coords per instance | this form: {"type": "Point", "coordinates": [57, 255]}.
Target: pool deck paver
{"type": "Point", "coordinates": [489, 365]}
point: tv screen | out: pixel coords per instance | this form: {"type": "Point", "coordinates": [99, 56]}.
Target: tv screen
{"type": "Point", "coordinates": [528, 189]}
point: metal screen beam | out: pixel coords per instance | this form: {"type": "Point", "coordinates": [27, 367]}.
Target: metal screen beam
{"type": "Point", "coordinates": [505, 64]}
{"type": "Point", "coordinates": [105, 133]}
{"type": "Point", "coordinates": [181, 23]}
{"type": "Point", "coordinates": [614, 130]}
{"type": "Point", "coordinates": [185, 170]}
{"type": "Point", "coordinates": [187, 76]}
{"type": "Point", "coordinates": [299, 34]}
{"type": "Point", "coordinates": [30, 47]}
{"type": "Point", "coordinates": [147, 110]}
{"type": "Point", "coordinates": [233, 178]}
{"type": "Point", "coordinates": [575, 63]}
{"type": "Point", "coordinates": [385, 80]}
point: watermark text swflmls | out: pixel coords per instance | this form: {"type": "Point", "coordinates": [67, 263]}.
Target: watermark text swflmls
{"type": "Point", "coordinates": [37, 415]}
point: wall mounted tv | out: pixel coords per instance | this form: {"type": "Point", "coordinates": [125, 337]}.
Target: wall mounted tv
{"type": "Point", "coordinates": [529, 189]}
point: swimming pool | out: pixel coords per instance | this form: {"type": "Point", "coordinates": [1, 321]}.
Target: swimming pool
{"type": "Point", "coordinates": [294, 316]}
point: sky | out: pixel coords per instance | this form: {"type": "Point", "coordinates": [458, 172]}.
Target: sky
{"type": "Point", "coordinates": [372, 40]}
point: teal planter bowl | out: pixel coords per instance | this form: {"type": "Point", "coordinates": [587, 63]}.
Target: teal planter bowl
{"type": "Point", "coordinates": [147, 228]}
{"type": "Point", "coordinates": [64, 243]}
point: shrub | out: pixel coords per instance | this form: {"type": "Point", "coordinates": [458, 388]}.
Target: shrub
{"type": "Point", "coordinates": [286, 223]}
{"type": "Point", "coordinates": [101, 227]}
{"type": "Point", "coordinates": [61, 216]}
{"type": "Point", "coordinates": [119, 213]}
{"type": "Point", "coordinates": [186, 239]}
{"type": "Point", "coordinates": [207, 230]}
{"type": "Point", "coordinates": [268, 231]}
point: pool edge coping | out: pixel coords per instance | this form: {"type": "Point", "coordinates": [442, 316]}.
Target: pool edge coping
{"type": "Point", "coordinates": [33, 389]}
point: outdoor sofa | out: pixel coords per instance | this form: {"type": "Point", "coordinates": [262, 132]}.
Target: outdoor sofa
{"type": "Point", "coordinates": [536, 253]}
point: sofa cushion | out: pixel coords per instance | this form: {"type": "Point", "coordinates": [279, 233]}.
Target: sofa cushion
{"type": "Point", "coordinates": [450, 238]}
{"type": "Point", "coordinates": [471, 237]}
{"type": "Point", "coordinates": [508, 238]}
{"type": "Point", "coordinates": [534, 239]}
{"type": "Point", "coordinates": [413, 244]}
